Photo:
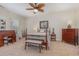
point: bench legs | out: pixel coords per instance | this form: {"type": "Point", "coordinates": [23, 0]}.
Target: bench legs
{"type": "Point", "coordinates": [27, 44]}
{"type": "Point", "coordinates": [40, 47]}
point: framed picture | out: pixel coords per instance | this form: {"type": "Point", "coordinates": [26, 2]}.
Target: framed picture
{"type": "Point", "coordinates": [2, 24]}
{"type": "Point", "coordinates": [43, 24]}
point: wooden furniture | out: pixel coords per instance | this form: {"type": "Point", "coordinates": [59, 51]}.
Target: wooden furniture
{"type": "Point", "coordinates": [36, 38]}
{"type": "Point", "coordinates": [53, 37]}
{"type": "Point", "coordinates": [1, 40]}
{"type": "Point", "coordinates": [4, 33]}
{"type": "Point", "coordinates": [70, 36]}
{"type": "Point", "coordinates": [35, 42]}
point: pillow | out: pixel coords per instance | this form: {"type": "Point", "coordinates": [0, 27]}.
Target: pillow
{"type": "Point", "coordinates": [42, 30]}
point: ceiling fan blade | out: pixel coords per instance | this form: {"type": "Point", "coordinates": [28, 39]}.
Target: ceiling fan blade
{"type": "Point", "coordinates": [41, 5]}
{"type": "Point", "coordinates": [41, 10]}
{"type": "Point", "coordinates": [30, 9]}
{"type": "Point", "coordinates": [32, 5]}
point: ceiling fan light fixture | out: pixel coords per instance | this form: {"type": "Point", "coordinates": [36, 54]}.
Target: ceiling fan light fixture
{"type": "Point", "coordinates": [36, 7]}
{"type": "Point", "coordinates": [35, 11]}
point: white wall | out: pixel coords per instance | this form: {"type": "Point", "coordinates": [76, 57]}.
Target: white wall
{"type": "Point", "coordinates": [10, 17]}
{"type": "Point", "coordinates": [57, 20]}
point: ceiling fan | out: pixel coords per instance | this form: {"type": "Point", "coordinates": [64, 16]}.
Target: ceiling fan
{"type": "Point", "coordinates": [36, 7]}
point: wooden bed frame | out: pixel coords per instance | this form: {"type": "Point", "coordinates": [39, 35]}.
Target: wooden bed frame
{"type": "Point", "coordinates": [39, 42]}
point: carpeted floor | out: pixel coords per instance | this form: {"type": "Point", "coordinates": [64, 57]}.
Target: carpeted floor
{"type": "Point", "coordinates": [57, 49]}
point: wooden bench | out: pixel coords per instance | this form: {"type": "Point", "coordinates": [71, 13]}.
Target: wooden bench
{"type": "Point", "coordinates": [33, 42]}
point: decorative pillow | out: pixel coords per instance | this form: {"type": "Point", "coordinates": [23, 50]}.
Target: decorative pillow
{"type": "Point", "coordinates": [42, 30]}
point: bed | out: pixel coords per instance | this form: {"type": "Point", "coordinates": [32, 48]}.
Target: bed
{"type": "Point", "coordinates": [39, 36]}
{"type": "Point", "coordinates": [42, 37]}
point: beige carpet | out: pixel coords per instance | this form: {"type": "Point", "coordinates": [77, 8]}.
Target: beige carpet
{"type": "Point", "coordinates": [57, 49]}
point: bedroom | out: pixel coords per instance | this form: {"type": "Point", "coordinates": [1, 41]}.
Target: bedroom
{"type": "Point", "coordinates": [58, 15]}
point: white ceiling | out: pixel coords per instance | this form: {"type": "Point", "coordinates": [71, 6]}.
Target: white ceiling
{"type": "Point", "coordinates": [20, 8]}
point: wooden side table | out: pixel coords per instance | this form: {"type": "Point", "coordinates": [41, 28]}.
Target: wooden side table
{"type": "Point", "coordinates": [53, 37]}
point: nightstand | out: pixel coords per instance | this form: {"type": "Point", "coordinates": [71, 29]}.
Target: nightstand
{"type": "Point", "coordinates": [53, 37]}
